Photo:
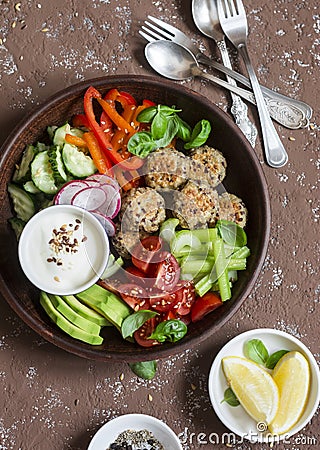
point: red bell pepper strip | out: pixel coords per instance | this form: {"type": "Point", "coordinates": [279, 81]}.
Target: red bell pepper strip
{"type": "Point", "coordinates": [127, 97]}
{"type": "Point", "coordinates": [119, 139]}
{"type": "Point", "coordinates": [148, 103]}
{"type": "Point", "coordinates": [90, 94]}
{"type": "Point", "coordinates": [106, 146]}
{"type": "Point", "coordinates": [116, 118]}
{"type": "Point", "coordinates": [75, 140]}
{"type": "Point", "coordinates": [99, 158]}
{"type": "Point", "coordinates": [80, 120]}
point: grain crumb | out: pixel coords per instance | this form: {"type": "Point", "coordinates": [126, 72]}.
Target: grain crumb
{"type": "Point", "coordinates": [193, 387]}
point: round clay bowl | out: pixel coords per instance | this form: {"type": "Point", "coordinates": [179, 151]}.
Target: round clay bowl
{"type": "Point", "coordinates": [244, 178]}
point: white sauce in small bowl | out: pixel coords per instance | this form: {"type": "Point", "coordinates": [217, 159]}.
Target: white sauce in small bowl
{"type": "Point", "coordinates": [63, 249]}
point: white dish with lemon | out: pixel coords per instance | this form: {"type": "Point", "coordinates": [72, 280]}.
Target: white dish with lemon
{"type": "Point", "coordinates": [274, 405]}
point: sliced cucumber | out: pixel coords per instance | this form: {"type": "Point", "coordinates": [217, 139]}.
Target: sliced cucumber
{"type": "Point", "coordinates": [22, 172]}
{"type": "Point", "coordinates": [30, 187]}
{"type": "Point", "coordinates": [41, 147]}
{"type": "Point", "coordinates": [17, 225]}
{"type": "Point", "coordinates": [57, 165]}
{"type": "Point", "coordinates": [51, 130]}
{"type": "Point", "coordinates": [42, 173]}
{"type": "Point", "coordinates": [22, 202]}
{"type": "Point", "coordinates": [60, 134]}
{"type": "Point", "coordinates": [76, 162]}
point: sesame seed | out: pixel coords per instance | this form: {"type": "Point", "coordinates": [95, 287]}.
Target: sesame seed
{"type": "Point", "coordinates": [150, 398]}
{"type": "Point", "coordinates": [56, 279]}
{"type": "Point", "coordinates": [292, 138]}
{"type": "Point", "coordinates": [121, 377]}
{"type": "Point", "coordinates": [45, 30]}
{"type": "Point", "coordinates": [17, 6]}
{"type": "Point", "coordinates": [14, 24]}
{"type": "Point", "coordinates": [193, 387]}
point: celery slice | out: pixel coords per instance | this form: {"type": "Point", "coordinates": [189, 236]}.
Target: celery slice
{"type": "Point", "coordinates": [222, 270]}
{"type": "Point", "coordinates": [237, 264]}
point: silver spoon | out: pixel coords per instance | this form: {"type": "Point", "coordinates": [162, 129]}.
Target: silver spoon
{"type": "Point", "coordinates": [205, 16]}
{"type": "Point", "coordinates": [173, 61]}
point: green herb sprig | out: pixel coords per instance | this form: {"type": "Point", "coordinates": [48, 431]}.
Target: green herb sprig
{"type": "Point", "coordinates": [165, 125]}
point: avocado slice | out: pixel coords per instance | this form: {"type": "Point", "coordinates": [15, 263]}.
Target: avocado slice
{"type": "Point", "coordinates": [74, 317]}
{"type": "Point", "coordinates": [105, 303]}
{"type": "Point", "coordinates": [84, 311]}
{"type": "Point", "coordinates": [65, 325]}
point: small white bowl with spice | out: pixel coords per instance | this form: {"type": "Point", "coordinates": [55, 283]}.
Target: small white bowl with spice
{"type": "Point", "coordinates": [137, 430]}
{"type": "Point", "coordinates": [63, 249]}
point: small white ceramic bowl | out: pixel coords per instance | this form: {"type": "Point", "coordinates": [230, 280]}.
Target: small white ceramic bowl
{"type": "Point", "coordinates": [63, 264]}
{"type": "Point", "coordinates": [109, 432]}
{"type": "Point", "coordinates": [236, 418]}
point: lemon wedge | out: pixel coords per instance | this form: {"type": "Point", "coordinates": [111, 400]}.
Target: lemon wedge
{"type": "Point", "coordinates": [254, 387]}
{"type": "Point", "coordinates": [292, 376]}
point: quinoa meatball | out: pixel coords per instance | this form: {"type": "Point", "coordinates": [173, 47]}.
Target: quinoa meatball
{"type": "Point", "coordinates": [208, 164]}
{"type": "Point", "coordinates": [124, 242]}
{"type": "Point", "coordinates": [232, 208]}
{"type": "Point", "coordinates": [166, 168]}
{"type": "Point", "coordinates": [142, 208]}
{"type": "Point", "coordinates": [196, 205]}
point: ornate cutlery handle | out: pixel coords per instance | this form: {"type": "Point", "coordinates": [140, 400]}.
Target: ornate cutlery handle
{"type": "Point", "coordinates": [239, 109]}
{"type": "Point", "coordinates": [289, 112]}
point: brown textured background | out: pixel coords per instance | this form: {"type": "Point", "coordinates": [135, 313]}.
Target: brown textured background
{"type": "Point", "coordinates": [51, 400]}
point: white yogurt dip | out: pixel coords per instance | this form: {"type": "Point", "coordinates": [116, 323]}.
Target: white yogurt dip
{"type": "Point", "coordinates": [63, 249]}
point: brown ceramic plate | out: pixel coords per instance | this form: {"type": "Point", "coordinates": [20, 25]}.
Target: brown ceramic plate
{"type": "Point", "coordinates": [244, 178]}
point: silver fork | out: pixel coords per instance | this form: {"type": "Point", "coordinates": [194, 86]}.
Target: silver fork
{"type": "Point", "coordinates": [205, 16]}
{"type": "Point", "coordinates": [233, 21]}
{"type": "Point", "coordinates": [290, 113]}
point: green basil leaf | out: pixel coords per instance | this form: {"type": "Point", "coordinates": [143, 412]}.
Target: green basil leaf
{"type": "Point", "coordinates": [170, 132]}
{"type": "Point", "coordinates": [159, 126]}
{"type": "Point", "coordinates": [144, 369]}
{"type": "Point", "coordinates": [230, 397]}
{"type": "Point", "coordinates": [184, 130]}
{"type": "Point", "coordinates": [166, 110]}
{"type": "Point", "coordinates": [256, 351]}
{"type": "Point", "coordinates": [170, 330]}
{"type": "Point", "coordinates": [141, 144]}
{"type": "Point", "coordinates": [274, 358]}
{"type": "Point", "coordinates": [199, 134]}
{"type": "Point", "coordinates": [133, 322]}
{"type": "Point", "coordinates": [231, 233]}
{"type": "Point", "coordinates": [147, 115]}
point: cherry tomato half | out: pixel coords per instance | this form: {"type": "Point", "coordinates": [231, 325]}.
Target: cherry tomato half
{"type": "Point", "coordinates": [163, 301]}
{"type": "Point", "coordinates": [134, 295]}
{"type": "Point", "coordinates": [145, 252]}
{"type": "Point", "coordinates": [167, 272]}
{"type": "Point", "coordinates": [186, 297]}
{"type": "Point", "coordinates": [204, 305]}
{"type": "Point", "coordinates": [142, 334]}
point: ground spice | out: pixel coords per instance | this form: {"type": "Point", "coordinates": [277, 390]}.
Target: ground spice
{"type": "Point", "coordinates": [136, 440]}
